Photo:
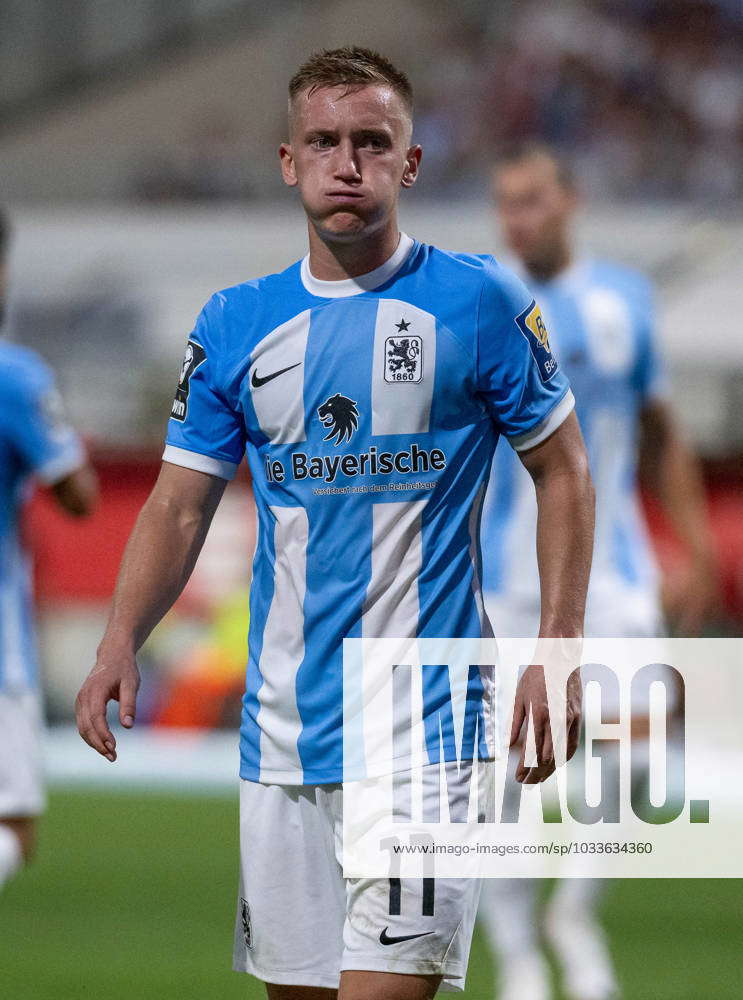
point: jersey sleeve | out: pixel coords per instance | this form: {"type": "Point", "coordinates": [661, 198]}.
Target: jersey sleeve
{"type": "Point", "coordinates": [651, 380]}
{"type": "Point", "coordinates": [518, 377]}
{"type": "Point", "coordinates": [35, 424]}
{"type": "Point", "coordinates": [205, 431]}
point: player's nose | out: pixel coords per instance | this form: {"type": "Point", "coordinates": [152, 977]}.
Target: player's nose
{"type": "Point", "coordinates": [345, 164]}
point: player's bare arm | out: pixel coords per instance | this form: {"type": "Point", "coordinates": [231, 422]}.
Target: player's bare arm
{"type": "Point", "coordinates": [671, 472]}
{"type": "Point", "coordinates": [157, 563]}
{"type": "Point", "coordinates": [565, 502]}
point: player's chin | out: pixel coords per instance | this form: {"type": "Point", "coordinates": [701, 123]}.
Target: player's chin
{"type": "Point", "coordinates": [344, 223]}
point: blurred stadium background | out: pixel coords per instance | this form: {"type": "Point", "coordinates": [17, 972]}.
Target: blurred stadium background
{"type": "Point", "coordinates": [137, 159]}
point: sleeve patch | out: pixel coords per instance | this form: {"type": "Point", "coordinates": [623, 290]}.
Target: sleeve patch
{"type": "Point", "coordinates": [532, 326]}
{"type": "Point", "coordinates": [195, 355]}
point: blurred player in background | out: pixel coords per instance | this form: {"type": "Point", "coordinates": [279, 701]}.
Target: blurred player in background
{"type": "Point", "coordinates": [601, 327]}
{"type": "Point", "coordinates": [338, 375]}
{"type": "Point", "coordinates": [35, 443]}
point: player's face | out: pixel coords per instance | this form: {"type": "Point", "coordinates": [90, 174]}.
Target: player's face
{"type": "Point", "coordinates": [349, 155]}
{"type": "Point", "coordinates": [535, 210]}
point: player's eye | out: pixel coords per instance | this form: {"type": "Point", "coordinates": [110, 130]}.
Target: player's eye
{"type": "Point", "coordinates": [375, 142]}
{"type": "Point", "coordinates": [321, 142]}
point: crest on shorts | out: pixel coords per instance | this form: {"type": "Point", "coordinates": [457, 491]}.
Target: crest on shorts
{"type": "Point", "coordinates": [533, 327]}
{"type": "Point", "coordinates": [403, 356]}
{"type": "Point", "coordinates": [247, 926]}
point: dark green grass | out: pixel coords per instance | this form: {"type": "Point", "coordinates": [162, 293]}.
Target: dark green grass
{"type": "Point", "coordinates": [132, 896]}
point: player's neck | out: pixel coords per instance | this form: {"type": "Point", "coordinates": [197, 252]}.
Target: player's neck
{"type": "Point", "coordinates": [336, 261]}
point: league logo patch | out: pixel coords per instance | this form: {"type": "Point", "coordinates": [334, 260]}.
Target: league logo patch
{"type": "Point", "coordinates": [247, 927]}
{"type": "Point", "coordinates": [532, 326]}
{"type": "Point", "coordinates": [403, 357]}
{"type": "Point", "coordinates": [339, 414]}
{"type": "Point", "coordinates": [195, 355]}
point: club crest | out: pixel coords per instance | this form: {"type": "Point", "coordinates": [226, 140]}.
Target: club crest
{"type": "Point", "coordinates": [403, 359]}
{"type": "Point", "coordinates": [247, 926]}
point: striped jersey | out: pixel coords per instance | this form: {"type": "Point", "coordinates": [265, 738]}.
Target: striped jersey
{"type": "Point", "coordinates": [35, 441]}
{"type": "Point", "coordinates": [600, 318]}
{"type": "Point", "coordinates": [369, 409]}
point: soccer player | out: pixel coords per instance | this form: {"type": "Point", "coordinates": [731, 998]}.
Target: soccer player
{"type": "Point", "coordinates": [368, 384]}
{"type": "Point", "coordinates": [35, 442]}
{"type": "Point", "coordinates": [600, 319]}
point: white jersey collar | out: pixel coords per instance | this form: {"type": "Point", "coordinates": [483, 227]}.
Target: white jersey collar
{"type": "Point", "coordinates": [363, 282]}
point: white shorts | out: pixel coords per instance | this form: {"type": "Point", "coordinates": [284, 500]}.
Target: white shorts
{"type": "Point", "coordinates": [21, 787]}
{"type": "Point", "coordinates": [299, 922]}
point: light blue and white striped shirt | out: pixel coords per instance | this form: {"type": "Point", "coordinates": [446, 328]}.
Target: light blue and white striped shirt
{"type": "Point", "coordinates": [369, 409]}
{"type": "Point", "coordinates": [601, 321]}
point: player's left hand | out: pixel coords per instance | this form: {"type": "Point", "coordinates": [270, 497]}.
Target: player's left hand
{"type": "Point", "coordinates": [532, 700]}
{"type": "Point", "coordinates": [113, 678]}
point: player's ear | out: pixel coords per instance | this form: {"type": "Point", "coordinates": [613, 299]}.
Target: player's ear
{"type": "Point", "coordinates": [288, 170]}
{"type": "Point", "coordinates": [412, 162]}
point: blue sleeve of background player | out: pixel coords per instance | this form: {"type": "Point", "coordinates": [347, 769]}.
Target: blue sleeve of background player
{"type": "Point", "coordinates": [518, 378]}
{"type": "Point", "coordinates": [650, 376]}
{"type": "Point", "coordinates": [33, 420]}
{"type": "Point", "coordinates": [205, 432]}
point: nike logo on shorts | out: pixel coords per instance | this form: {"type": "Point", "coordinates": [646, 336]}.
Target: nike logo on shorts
{"type": "Point", "coordinates": [384, 938]}
{"type": "Point", "coordinates": [257, 381]}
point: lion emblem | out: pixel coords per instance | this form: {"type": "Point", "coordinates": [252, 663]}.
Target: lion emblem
{"type": "Point", "coordinates": [403, 353]}
{"type": "Point", "coordinates": [403, 359]}
{"type": "Point", "coordinates": [340, 416]}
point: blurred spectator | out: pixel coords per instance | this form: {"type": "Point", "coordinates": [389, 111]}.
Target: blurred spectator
{"type": "Point", "coordinates": [646, 96]}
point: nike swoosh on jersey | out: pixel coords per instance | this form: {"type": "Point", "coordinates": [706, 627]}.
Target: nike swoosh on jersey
{"type": "Point", "coordinates": [257, 381]}
{"type": "Point", "coordinates": [384, 938]}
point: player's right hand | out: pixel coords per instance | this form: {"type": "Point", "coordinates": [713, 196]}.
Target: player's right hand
{"type": "Point", "coordinates": [113, 678]}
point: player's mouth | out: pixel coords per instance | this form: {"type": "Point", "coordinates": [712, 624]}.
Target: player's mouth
{"type": "Point", "coordinates": [344, 196]}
